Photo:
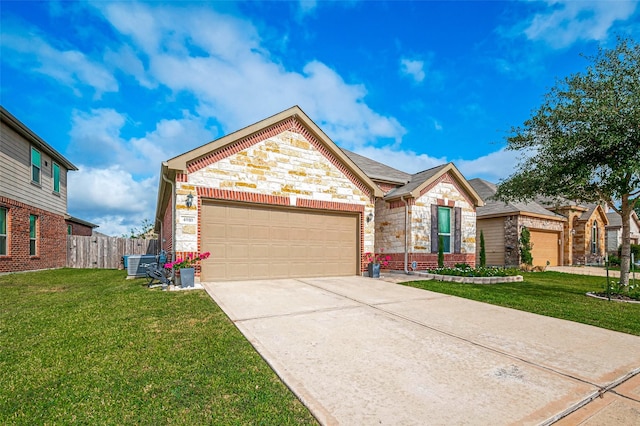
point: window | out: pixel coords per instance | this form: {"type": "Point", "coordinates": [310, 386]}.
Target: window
{"type": "Point", "coordinates": [444, 228]}
{"type": "Point", "coordinates": [33, 235]}
{"type": "Point", "coordinates": [594, 237]}
{"type": "Point", "coordinates": [3, 231]}
{"type": "Point", "coordinates": [56, 177]}
{"type": "Point", "coordinates": [36, 164]}
{"type": "Point", "coordinates": [69, 229]}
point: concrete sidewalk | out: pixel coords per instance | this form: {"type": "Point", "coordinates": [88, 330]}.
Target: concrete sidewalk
{"type": "Point", "coordinates": [591, 270]}
{"type": "Point", "coordinates": [362, 351]}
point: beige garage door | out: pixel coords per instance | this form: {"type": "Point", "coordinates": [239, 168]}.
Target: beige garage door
{"type": "Point", "coordinates": [259, 242]}
{"type": "Point", "coordinates": [545, 248]}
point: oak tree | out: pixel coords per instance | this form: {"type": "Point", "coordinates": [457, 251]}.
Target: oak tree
{"type": "Point", "coordinates": [583, 142]}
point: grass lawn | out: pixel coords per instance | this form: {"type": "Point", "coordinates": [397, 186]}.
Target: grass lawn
{"type": "Point", "coordinates": [553, 294]}
{"type": "Point", "coordinates": [87, 346]}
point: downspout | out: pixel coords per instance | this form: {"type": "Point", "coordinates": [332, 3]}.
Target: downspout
{"type": "Point", "coordinates": [173, 224]}
{"type": "Point", "coordinates": [406, 235]}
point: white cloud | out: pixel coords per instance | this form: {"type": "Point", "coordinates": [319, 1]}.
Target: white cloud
{"type": "Point", "coordinates": [413, 69]}
{"type": "Point", "coordinates": [111, 198]}
{"type": "Point", "coordinates": [68, 67]}
{"type": "Point", "coordinates": [96, 137]}
{"type": "Point", "coordinates": [492, 167]}
{"type": "Point", "coordinates": [127, 61]}
{"type": "Point", "coordinates": [234, 78]}
{"type": "Point", "coordinates": [117, 185]}
{"type": "Point", "coordinates": [406, 161]}
{"type": "Point", "coordinates": [566, 22]}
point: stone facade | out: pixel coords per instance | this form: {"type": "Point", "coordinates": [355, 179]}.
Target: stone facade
{"type": "Point", "coordinates": [286, 166]}
{"type": "Point", "coordinates": [390, 227]}
{"type": "Point", "coordinates": [513, 227]}
{"type": "Point", "coordinates": [578, 235]}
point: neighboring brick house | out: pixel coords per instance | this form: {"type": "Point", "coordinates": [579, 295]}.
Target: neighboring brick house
{"type": "Point", "coordinates": [279, 199]}
{"type": "Point", "coordinates": [614, 231]}
{"type": "Point", "coordinates": [501, 225]}
{"type": "Point", "coordinates": [562, 232]}
{"type": "Point", "coordinates": [80, 227]}
{"type": "Point", "coordinates": [584, 231]}
{"type": "Point", "coordinates": [33, 199]}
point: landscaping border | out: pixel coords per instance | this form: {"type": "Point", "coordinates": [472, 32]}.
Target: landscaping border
{"type": "Point", "coordinates": [469, 280]}
{"type": "Point", "coordinates": [595, 296]}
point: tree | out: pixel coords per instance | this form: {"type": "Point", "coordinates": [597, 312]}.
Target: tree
{"type": "Point", "coordinates": [583, 143]}
{"type": "Point", "coordinates": [525, 247]}
{"type": "Point", "coordinates": [440, 251]}
{"type": "Point", "coordinates": [483, 253]}
{"type": "Point", "coordinates": [144, 232]}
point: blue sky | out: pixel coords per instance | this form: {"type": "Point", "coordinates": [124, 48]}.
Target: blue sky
{"type": "Point", "coordinates": [119, 87]}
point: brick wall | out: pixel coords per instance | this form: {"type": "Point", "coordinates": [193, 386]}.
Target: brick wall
{"type": "Point", "coordinates": [79, 229]}
{"type": "Point", "coordinates": [428, 260]}
{"type": "Point", "coordinates": [51, 240]}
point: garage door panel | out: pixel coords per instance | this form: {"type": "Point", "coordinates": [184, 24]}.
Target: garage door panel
{"type": "Point", "coordinates": [250, 242]}
{"type": "Point", "coordinates": [545, 247]}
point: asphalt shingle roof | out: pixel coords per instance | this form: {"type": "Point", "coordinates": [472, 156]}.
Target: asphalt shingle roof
{"type": "Point", "coordinates": [486, 190]}
{"type": "Point", "coordinates": [376, 170]}
{"type": "Point", "coordinates": [415, 181]}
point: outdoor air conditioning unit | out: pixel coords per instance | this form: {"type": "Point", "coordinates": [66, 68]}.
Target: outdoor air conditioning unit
{"type": "Point", "coordinates": [137, 264]}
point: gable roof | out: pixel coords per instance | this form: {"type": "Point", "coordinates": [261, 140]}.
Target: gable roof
{"type": "Point", "coordinates": [423, 179]}
{"type": "Point", "coordinates": [495, 208]}
{"type": "Point", "coordinates": [378, 171]}
{"type": "Point", "coordinates": [81, 222]}
{"type": "Point", "coordinates": [181, 163]}
{"type": "Point", "coordinates": [615, 220]}
{"type": "Point", "coordinates": [28, 134]}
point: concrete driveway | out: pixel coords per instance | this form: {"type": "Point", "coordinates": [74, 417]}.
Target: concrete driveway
{"type": "Point", "coordinates": [359, 351]}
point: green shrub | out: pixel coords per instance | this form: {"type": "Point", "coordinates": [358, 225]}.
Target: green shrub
{"type": "Point", "coordinates": [614, 261]}
{"type": "Point", "coordinates": [525, 247]}
{"type": "Point", "coordinates": [464, 270]}
{"type": "Point", "coordinates": [483, 253]}
{"type": "Point", "coordinates": [635, 250]}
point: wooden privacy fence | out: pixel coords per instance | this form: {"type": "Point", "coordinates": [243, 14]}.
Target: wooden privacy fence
{"type": "Point", "coordinates": [104, 252]}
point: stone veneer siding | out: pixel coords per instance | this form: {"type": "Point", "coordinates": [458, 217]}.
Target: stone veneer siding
{"type": "Point", "coordinates": [51, 239]}
{"type": "Point", "coordinates": [512, 228]}
{"type": "Point", "coordinates": [286, 166]}
{"type": "Point", "coordinates": [390, 227]}
{"type": "Point", "coordinates": [582, 249]}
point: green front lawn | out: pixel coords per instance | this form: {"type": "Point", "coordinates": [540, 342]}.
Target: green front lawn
{"type": "Point", "coordinates": [89, 347]}
{"type": "Point", "coordinates": [552, 294]}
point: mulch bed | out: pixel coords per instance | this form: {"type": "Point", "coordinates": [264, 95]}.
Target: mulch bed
{"type": "Point", "coordinates": [614, 297]}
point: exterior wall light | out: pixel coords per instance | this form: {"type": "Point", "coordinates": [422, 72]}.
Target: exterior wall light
{"type": "Point", "coordinates": [369, 217]}
{"type": "Point", "coordinates": [189, 200]}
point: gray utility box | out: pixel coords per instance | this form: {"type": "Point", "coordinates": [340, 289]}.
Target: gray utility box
{"type": "Point", "coordinates": [137, 264]}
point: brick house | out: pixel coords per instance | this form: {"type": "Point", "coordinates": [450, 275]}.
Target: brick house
{"type": "Point", "coordinates": [80, 227]}
{"type": "Point", "coordinates": [501, 225]}
{"type": "Point", "coordinates": [33, 199]}
{"type": "Point", "coordinates": [584, 231]}
{"type": "Point", "coordinates": [562, 232]}
{"type": "Point", "coordinates": [279, 199]}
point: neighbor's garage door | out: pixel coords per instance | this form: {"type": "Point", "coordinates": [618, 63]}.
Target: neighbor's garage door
{"type": "Point", "coordinates": [258, 242]}
{"type": "Point", "coordinates": [545, 247]}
